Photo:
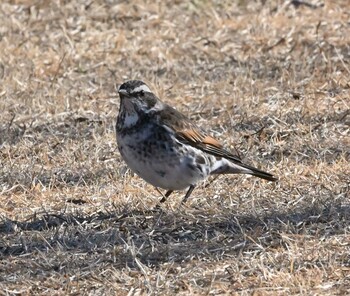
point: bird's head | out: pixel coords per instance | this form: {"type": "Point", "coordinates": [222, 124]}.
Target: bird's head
{"type": "Point", "coordinates": [136, 100]}
{"type": "Point", "coordinates": [137, 95]}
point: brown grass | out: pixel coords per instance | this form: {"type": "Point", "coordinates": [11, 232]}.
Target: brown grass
{"type": "Point", "coordinates": [268, 78]}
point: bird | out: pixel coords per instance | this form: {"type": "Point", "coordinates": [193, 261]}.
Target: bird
{"type": "Point", "coordinates": [165, 148]}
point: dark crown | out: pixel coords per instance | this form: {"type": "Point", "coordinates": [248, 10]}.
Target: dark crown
{"type": "Point", "coordinates": [134, 86]}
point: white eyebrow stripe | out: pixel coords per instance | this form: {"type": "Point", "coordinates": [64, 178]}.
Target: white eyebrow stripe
{"type": "Point", "coordinates": [142, 87]}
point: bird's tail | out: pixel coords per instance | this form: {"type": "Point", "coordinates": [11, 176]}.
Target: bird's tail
{"type": "Point", "coordinates": [259, 173]}
{"type": "Point", "coordinates": [225, 166]}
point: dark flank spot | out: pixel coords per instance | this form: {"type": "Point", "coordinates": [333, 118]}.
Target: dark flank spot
{"type": "Point", "coordinates": [191, 166]}
{"type": "Point", "coordinates": [200, 159]}
{"type": "Point", "coordinates": [161, 173]}
{"type": "Point", "coordinates": [199, 167]}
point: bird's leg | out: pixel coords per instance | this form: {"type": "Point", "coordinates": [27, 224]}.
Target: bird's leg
{"type": "Point", "coordinates": [166, 195]}
{"type": "Point", "coordinates": [188, 193]}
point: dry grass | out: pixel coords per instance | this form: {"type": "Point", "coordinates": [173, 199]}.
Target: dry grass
{"type": "Point", "coordinates": [270, 78]}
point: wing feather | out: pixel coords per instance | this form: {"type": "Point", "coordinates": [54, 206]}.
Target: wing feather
{"type": "Point", "coordinates": [187, 132]}
{"type": "Point", "coordinates": [205, 143]}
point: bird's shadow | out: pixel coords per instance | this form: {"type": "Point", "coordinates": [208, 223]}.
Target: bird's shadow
{"type": "Point", "coordinates": [152, 237]}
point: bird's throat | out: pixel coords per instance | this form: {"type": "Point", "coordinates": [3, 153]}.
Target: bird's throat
{"type": "Point", "coordinates": [130, 119]}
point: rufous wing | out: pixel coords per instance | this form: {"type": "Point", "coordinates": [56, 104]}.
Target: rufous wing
{"type": "Point", "coordinates": [205, 143]}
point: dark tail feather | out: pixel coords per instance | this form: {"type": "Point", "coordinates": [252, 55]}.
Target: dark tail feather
{"type": "Point", "coordinates": [237, 167]}
{"type": "Point", "coordinates": [259, 173]}
{"type": "Point", "coordinates": [264, 175]}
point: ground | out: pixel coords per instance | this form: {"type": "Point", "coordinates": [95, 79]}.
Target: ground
{"type": "Point", "coordinates": [270, 79]}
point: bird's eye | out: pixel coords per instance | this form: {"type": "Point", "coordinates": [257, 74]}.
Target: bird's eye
{"type": "Point", "coordinates": [141, 92]}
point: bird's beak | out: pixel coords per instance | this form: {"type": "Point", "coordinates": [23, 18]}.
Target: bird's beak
{"type": "Point", "coordinates": [122, 92]}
